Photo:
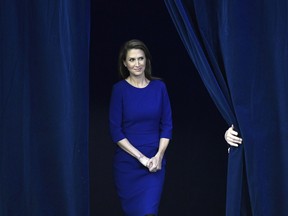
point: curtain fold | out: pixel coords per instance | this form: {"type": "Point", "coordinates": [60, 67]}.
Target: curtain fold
{"type": "Point", "coordinates": [44, 63]}
{"type": "Point", "coordinates": [240, 50]}
{"type": "Point", "coordinates": [203, 57]}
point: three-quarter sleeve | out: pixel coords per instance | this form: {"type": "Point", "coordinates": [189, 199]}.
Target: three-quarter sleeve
{"type": "Point", "coordinates": [166, 116]}
{"type": "Point", "coordinates": [116, 114]}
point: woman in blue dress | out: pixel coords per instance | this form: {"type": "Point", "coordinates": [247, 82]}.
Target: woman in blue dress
{"type": "Point", "coordinates": [141, 126]}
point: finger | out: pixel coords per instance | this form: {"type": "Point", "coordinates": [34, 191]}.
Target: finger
{"type": "Point", "coordinates": [150, 164]}
{"type": "Point", "coordinates": [233, 144]}
{"type": "Point", "coordinates": [233, 135]}
{"type": "Point", "coordinates": [230, 138]}
{"type": "Point", "coordinates": [153, 167]}
{"type": "Point", "coordinates": [232, 131]}
{"type": "Point", "coordinates": [236, 139]}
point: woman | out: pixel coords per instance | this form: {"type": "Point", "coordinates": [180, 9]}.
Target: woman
{"type": "Point", "coordinates": [141, 125]}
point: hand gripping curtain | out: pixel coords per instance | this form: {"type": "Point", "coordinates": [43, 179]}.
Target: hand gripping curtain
{"type": "Point", "coordinates": [44, 65]}
{"type": "Point", "coordinates": [240, 51]}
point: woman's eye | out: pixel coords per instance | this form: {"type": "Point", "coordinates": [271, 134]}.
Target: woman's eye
{"type": "Point", "coordinates": [131, 60]}
{"type": "Point", "coordinates": [141, 58]}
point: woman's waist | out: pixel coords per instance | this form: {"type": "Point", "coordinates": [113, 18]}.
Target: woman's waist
{"type": "Point", "coordinates": [145, 138]}
{"type": "Point", "coordinates": [139, 131]}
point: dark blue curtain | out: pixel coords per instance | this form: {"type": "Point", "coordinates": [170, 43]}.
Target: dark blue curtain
{"type": "Point", "coordinates": [240, 49]}
{"type": "Point", "coordinates": [44, 63]}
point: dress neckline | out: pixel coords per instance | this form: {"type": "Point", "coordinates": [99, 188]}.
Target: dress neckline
{"type": "Point", "coordinates": [135, 86]}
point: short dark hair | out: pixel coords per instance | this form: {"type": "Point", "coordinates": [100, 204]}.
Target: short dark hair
{"type": "Point", "coordinates": [134, 44]}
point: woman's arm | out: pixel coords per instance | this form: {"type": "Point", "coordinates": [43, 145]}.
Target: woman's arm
{"type": "Point", "coordinates": [156, 161]}
{"type": "Point", "coordinates": [165, 132]}
{"type": "Point", "coordinates": [130, 149]}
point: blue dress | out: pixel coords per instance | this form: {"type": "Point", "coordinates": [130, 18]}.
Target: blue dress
{"type": "Point", "coordinates": [143, 116]}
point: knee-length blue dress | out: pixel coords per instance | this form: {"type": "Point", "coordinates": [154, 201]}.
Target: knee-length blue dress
{"type": "Point", "coordinates": [143, 116]}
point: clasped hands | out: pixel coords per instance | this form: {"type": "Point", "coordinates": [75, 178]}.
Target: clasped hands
{"type": "Point", "coordinates": [153, 164]}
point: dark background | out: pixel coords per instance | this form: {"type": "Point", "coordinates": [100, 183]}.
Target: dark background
{"type": "Point", "coordinates": [197, 156]}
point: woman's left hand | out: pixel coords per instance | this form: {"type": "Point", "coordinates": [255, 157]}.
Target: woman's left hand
{"type": "Point", "coordinates": [155, 163]}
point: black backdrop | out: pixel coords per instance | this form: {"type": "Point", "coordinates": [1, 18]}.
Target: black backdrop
{"type": "Point", "coordinates": [197, 156]}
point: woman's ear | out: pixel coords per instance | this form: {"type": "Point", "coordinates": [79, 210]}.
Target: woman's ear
{"type": "Point", "coordinates": [124, 63]}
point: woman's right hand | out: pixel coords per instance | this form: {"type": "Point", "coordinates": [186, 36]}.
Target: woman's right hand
{"type": "Point", "coordinates": [144, 161]}
{"type": "Point", "coordinates": [231, 137]}
{"type": "Point", "coordinates": [151, 163]}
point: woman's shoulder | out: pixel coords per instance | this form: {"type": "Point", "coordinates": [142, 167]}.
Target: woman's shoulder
{"type": "Point", "coordinates": [118, 88]}
{"type": "Point", "coordinates": [119, 85]}
{"type": "Point", "coordinates": [159, 83]}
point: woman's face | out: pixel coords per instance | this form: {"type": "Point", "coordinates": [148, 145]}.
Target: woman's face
{"type": "Point", "coordinates": [135, 62]}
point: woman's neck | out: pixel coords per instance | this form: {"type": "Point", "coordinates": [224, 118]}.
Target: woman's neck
{"type": "Point", "coordinates": [139, 82]}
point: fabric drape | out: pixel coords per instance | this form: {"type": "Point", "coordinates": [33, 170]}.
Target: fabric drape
{"type": "Point", "coordinates": [240, 51]}
{"type": "Point", "coordinates": [44, 63]}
